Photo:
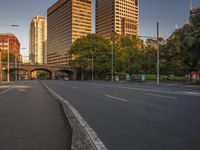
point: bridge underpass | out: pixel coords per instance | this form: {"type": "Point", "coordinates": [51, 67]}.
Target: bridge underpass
{"type": "Point", "coordinates": [29, 71]}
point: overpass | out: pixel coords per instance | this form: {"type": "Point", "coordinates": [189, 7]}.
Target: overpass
{"type": "Point", "coordinates": [24, 71]}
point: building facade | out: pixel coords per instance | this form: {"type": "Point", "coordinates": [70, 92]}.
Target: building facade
{"type": "Point", "coordinates": [38, 40]}
{"type": "Point", "coordinates": [117, 16]}
{"type": "Point", "coordinates": [194, 15]}
{"type": "Point", "coordinates": [9, 41]}
{"type": "Point", "coordinates": [67, 20]}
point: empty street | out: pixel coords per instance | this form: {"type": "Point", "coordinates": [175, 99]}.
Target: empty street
{"type": "Point", "coordinates": [137, 116]}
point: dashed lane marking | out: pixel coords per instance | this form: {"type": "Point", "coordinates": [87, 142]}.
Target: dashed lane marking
{"type": "Point", "coordinates": [117, 98]}
{"type": "Point", "coordinates": [163, 96]}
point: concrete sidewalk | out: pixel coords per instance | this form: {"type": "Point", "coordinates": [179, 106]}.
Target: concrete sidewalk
{"type": "Point", "coordinates": [31, 119]}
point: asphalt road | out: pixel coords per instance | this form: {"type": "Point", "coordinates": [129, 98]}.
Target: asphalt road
{"type": "Point", "coordinates": [31, 119]}
{"type": "Point", "coordinates": [1, 89]}
{"type": "Point", "coordinates": [137, 116]}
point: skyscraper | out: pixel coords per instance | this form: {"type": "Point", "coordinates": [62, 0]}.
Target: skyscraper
{"type": "Point", "coordinates": [195, 15]}
{"type": "Point", "coordinates": [117, 16]}
{"type": "Point", "coordinates": [67, 21]}
{"type": "Point", "coordinates": [38, 39]}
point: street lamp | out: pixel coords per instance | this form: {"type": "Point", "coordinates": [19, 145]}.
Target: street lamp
{"type": "Point", "coordinates": [158, 57]}
{"type": "Point", "coordinates": [92, 65]}
{"type": "Point", "coordinates": [112, 61]}
{"type": "Point", "coordinates": [158, 54]}
{"type": "Point", "coordinates": [0, 67]}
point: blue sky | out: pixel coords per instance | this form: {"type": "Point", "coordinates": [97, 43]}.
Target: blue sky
{"type": "Point", "coordinates": [168, 13]}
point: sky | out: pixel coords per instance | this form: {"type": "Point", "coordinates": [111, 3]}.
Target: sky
{"type": "Point", "coordinates": [169, 13]}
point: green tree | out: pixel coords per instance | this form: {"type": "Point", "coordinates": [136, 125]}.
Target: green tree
{"type": "Point", "coordinates": [150, 51]}
{"type": "Point", "coordinates": [129, 55]}
{"type": "Point", "coordinates": [82, 49]}
{"type": "Point", "coordinates": [182, 50]}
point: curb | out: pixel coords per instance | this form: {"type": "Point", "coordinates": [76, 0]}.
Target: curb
{"type": "Point", "coordinates": [84, 137]}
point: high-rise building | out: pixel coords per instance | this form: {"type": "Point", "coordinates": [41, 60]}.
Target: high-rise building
{"type": "Point", "coordinates": [38, 40]}
{"type": "Point", "coordinates": [10, 41]}
{"type": "Point", "coordinates": [67, 21]}
{"type": "Point", "coordinates": [117, 16]}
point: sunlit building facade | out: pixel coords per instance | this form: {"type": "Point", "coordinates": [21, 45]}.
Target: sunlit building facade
{"type": "Point", "coordinates": [117, 16]}
{"type": "Point", "coordinates": [38, 40]}
{"type": "Point", "coordinates": [9, 41]}
{"type": "Point", "coordinates": [67, 21]}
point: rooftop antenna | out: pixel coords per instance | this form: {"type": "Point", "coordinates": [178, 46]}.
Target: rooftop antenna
{"type": "Point", "coordinates": [190, 4]}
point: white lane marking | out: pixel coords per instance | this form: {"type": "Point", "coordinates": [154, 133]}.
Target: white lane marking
{"type": "Point", "coordinates": [121, 99]}
{"type": "Point", "coordinates": [191, 93]}
{"type": "Point", "coordinates": [139, 89]}
{"type": "Point", "coordinates": [99, 145]}
{"type": "Point", "coordinates": [191, 86]}
{"type": "Point", "coordinates": [4, 91]}
{"type": "Point", "coordinates": [147, 90]}
{"type": "Point", "coordinates": [170, 97]}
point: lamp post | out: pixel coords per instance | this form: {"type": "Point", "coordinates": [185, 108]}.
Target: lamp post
{"type": "Point", "coordinates": [0, 67]}
{"type": "Point", "coordinates": [112, 62]}
{"type": "Point", "coordinates": [8, 61]}
{"type": "Point", "coordinates": [158, 57]}
{"type": "Point", "coordinates": [112, 38]}
{"type": "Point", "coordinates": [92, 66]}
{"type": "Point", "coordinates": [158, 54]}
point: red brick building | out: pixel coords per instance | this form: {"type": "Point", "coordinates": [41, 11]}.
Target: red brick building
{"type": "Point", "coordinates": [9, 41]}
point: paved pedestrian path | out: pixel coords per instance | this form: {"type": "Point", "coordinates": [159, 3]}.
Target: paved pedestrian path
{"type": "Point", "coordinates": [31, 119]}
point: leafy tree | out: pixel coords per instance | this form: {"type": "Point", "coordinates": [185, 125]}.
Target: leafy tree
{"type": "Point", "coordinates": [150, 51]}
{"type": "Point", "coordinates": [82, 49]}
{"type": "Point", "coordinates": [182, 49]}
{"type": "Point", "coordinates": [129, 56]}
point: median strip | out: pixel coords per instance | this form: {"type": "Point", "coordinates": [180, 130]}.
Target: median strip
{"type": "Point", "coordinates": [84, 137]}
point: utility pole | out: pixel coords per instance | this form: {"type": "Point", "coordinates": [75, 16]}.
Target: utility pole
{"type": "Point", "coordinates": [0, 66]}
{"type": "Point", "coordinates": [8, 61]}
{"type": "Point", "coordinates": [112, 63]}
{"type": "Point", "coordinates": [82, 71]}
{"type": "Point", "coordinates": [92, 66]}
{"type": "Point", "coordinates": [158, 56]}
